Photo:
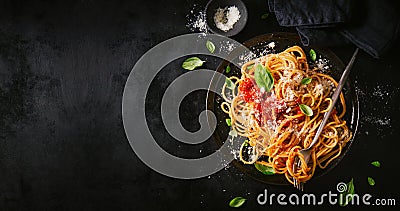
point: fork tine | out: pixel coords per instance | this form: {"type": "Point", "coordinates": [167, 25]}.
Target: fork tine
{"type": "Point", "coordinates": [297, 184]}
{"type": "Point", "coordinates": [298, 163]}
{"type": "Point", "coordinates": [300, 185]}
{"type": "Point", "coordinates": [295, 166]}
{"type": "Point", "coordinates": [294, 182]}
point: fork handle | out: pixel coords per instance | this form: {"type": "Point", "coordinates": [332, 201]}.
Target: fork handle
{"type": "Point", "coordinates": [335, 97]}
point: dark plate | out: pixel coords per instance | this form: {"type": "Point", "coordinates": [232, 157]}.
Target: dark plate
{"type": "Point", "coordinates": [212, 7]}
{"type": "Point", "coordinates": [282, 41]}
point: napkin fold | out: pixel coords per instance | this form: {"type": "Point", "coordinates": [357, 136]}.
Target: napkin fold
{"type": "Point", "coordinates": [371, 25]}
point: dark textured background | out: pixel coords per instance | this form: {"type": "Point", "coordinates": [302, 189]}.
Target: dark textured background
{"type": "Point", "coordinates": [63, 66]}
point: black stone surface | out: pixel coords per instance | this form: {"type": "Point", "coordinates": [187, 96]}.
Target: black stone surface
{"type": "Point", "coordinates": [63, 67]}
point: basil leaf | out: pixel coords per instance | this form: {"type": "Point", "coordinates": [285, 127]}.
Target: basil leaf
{"type": "Point", "coordinates": [305, 109]}
{"type": "Point", "coordinates": [376, 164]}
{"type": "Point", "coordinates": [210, 46]}
{"type": "Point", "coordinates": [263, 78]}
{"type": "Point", "coordinates": [371, 181]}
{"type": "Point", "coordinates": [228, 69]}
{"type": "Point", "coordinates": [344, 199]}
{"type": "Point", "coordinates": [228, 122]}
{"type": "Point", "coordinates": [250, 66]}
{"type": "Point", "coordinates": [233, 133]}
{"type": "Point", "coordinates": [306, 81]}
{"type": "Point", "coordinates": [350, 187]}
{"type": "Point", "coordinates": [191, 63]}
{"type": "Point", "coordinates": [237, 202]}
{"type": "Point", "coordinates": [313, 55]}
{"type": "Point", "coordinates": [246, 143]}
{"type": "Point", "coordinates": [264, 169]}
{"type": "Point", "coordinates": [229, 84]}
{"type": "Point", "coordinates": [264, 16]}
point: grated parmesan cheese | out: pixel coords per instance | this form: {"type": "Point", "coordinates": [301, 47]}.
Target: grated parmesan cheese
{"type": "Point", "coordinates": [289, 94]}
{"type": "Point", "coordinates": [225, 18]}
{"type": "Point", "coordinates": [327, 84]}
{"type": "Point", "coordinates": [297, 78]}
{"type": "Point", "coordinates": [319, 89]}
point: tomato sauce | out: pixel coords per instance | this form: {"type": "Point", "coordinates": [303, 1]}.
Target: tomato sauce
{"type": "Point", "coordinates": [249, 90]}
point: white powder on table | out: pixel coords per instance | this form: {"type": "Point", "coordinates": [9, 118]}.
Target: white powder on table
{"type": "Point", "coordinates": [196, 20]}
{"type": "Point", "coordinates": [225, 18]}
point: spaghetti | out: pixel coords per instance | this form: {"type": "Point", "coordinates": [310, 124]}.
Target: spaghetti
{"type": "Point", "coordinates": [273, 122]}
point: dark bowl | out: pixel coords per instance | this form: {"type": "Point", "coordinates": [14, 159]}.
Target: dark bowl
{"type": "Point", "coordinates": [212, 7]}
{"type": "Point", "coordinates": [282, 41]}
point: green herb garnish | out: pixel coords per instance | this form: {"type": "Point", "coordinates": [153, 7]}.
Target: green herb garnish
{"type": "Point", "coordinates": [237, 202]}
{"type": "Point", "coordinates": [371, 181]}
{"type": "Point", "coordinates": [228, 122]}
{"type": "Point", "coordinates": [306, 110]}
{"type": "Point", "coordinates": [313, 55]}
{"type": "Point", "coordinates": [210, 46]}
{"type": "Point", "coordinates": [348, 195]}
{"type": "Point", "coordinates": [228, 69]}
{"type": "Point", "coordinates": [376, 164]}
{"type": "Point", "coordinates": [233, 133]}
{"type": "Point", "coordinates": [229, 84]}
{"type": "Point", "coordinates": [263, 78]}
{"type": "Point", "coordinates": [250, 66]}
{"type": "Point", "coordinates": [264, 169]}
{"type": "Point", "coordinates": [306, 81]}
{"type": "Point", "coordinates": [265, 16]}
{"type": "Point", "coordinates": [191, 63]}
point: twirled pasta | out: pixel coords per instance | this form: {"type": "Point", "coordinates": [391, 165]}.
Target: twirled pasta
{"type": "Point", "coordinates": [272, 122]}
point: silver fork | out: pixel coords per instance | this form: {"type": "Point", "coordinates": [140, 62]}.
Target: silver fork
{"type": "Point", "coordinates": [307, 152]}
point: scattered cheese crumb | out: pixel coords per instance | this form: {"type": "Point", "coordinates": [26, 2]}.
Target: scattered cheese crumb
{"type": "Point", "coordinates": [297, 78]}
{"type": "Point", "coordinates": [243, 58]}
{"type": "Point", "coordinates": [271, 45]}
{"type": "Point", "coordinates": [327, 84]}
{"type": "Point", "coordinates": [319, 89]}
{"type": "Point", "coordinates": [322, 64]}
{"type": "Point", "coordinates": [227, 46]}
{"type": "Point", "coordinates": [289, 94]}
{"type": "Point", "coordinates": [197, 21]}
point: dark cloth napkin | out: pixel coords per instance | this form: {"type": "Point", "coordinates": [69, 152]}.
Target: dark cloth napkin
{"type": "Point", "coordinates": [371, 25]}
